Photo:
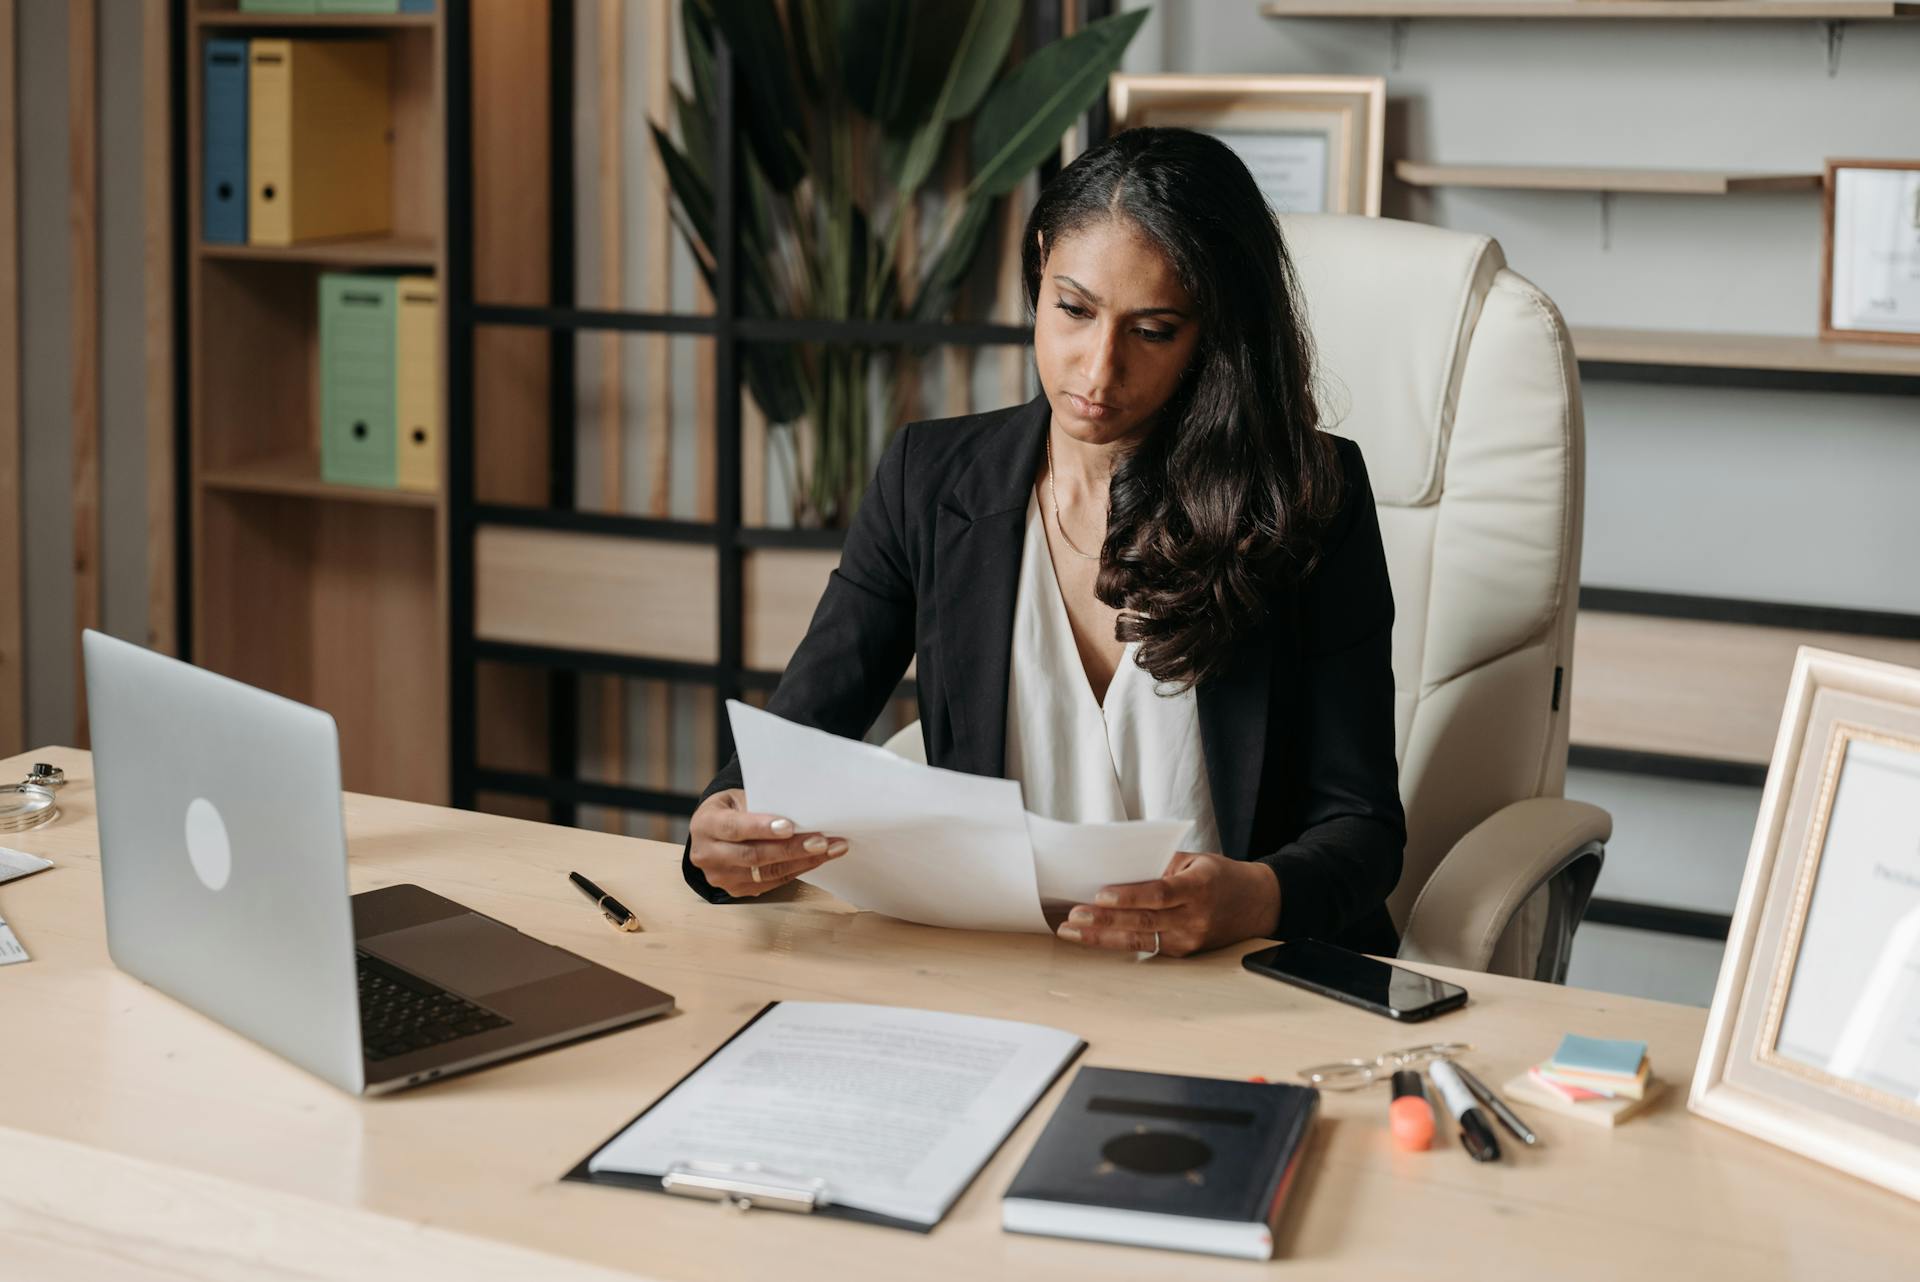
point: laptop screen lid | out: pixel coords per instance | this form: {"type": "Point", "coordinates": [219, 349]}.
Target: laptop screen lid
{"type": "Point", "coordinates": [223, 852]}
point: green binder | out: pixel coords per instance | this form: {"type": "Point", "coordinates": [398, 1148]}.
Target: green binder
{"type": "Point", "coordinates": [278, 6]}
{"type": "Point", "coordinates": [357, 320]}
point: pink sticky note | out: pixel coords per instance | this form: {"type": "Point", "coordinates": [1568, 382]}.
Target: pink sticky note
{"type": "Point", "coordinates": [1564, 1089]}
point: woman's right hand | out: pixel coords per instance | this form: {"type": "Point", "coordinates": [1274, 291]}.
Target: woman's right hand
{"type": "Point", "coordinates": [730, 842]}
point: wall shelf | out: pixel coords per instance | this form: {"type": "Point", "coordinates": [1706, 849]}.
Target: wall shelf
{"type": "Point", "coordinates": [308, 21]}
{"type": "Point", "coordinates": [1676, 684]}
{"type": "Point", "coordinates": [1702, 350]}
{"type": "Point", "coordinates": [1665, 182]}
{"type": "Point", "coordinates": [298, 476]}
{"type": "Point", "coordinates": [363, 251]}
{"type": "Point", "coordinates": [1605, 10]}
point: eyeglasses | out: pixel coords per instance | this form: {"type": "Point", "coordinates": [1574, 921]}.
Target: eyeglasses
{"type": "Point", "coordinates": [1352, 1074]}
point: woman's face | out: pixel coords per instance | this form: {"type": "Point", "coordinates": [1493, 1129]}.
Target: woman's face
{"type": "Point", "coordinates": [1113, 332]}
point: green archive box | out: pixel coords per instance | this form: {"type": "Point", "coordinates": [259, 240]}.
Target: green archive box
{"type": "Point", "coordinates": [279, 6]}
{"type": "Point", "coordinates": [357, 319]}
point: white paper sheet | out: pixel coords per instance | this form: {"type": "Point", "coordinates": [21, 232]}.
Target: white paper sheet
{"type": "Point", "coordinates": [934, 846]}
{"type": "Point", "coordinates": [18, 863]}
{"type": "Point", "coordinates": [1073, 861]}
{"type": "Point", "coordinates": [10, 949]}
{"type": "Point", "coordinates": [15, 864]}
{"type": "Point", "coordinates": [894, 1109]}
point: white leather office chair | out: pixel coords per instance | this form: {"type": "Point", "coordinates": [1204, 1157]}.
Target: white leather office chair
{"type": "Point", "coordinates": [1458, 379]}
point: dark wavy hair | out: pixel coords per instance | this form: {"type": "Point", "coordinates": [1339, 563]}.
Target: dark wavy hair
{"type": "Point", "coordinates": [1229, 493]}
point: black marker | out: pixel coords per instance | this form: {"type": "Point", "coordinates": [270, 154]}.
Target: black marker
{"type": "Point", "coordinates": [615, 911]}
{"type": "Point", "coordinates": [1475, 1135]}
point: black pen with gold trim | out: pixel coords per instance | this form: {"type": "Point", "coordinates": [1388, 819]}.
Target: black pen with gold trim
{"type": "Point", "coordinates": [616, 912]}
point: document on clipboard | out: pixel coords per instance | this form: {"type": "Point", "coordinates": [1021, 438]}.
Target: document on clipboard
{"type": "Point", "coordinates": [876, 1113]}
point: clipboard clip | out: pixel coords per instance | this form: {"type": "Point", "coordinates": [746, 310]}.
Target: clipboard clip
{"type": "Point", "coordinates": [744, 1186]}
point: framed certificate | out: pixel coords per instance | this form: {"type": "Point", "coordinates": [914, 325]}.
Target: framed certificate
{"type": "Point", "coordinates": [1314, 144]}
{"type": "Point", "coordinates": [1814, 1038]}
{"type": "Point", "coordinates": [1870, 287]}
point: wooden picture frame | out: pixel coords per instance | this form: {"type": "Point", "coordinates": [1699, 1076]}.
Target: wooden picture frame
{"type": "Point", "coordinates": [1281, 125]}
{"type": "Point", "coordinates": [1829, 907]}
{"type": "Point", "coordinates": [1896, 182]}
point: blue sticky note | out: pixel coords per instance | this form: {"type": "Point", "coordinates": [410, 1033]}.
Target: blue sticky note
{"type": "Point", "coordinates": [1599, 1055]}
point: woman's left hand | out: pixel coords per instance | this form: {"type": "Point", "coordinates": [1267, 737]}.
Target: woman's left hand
{"type": "Point", "coordinates": [1202, 901]}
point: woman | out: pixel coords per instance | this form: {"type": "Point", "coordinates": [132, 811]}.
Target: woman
{"type": "Point", "coordinates": [1156, 591]}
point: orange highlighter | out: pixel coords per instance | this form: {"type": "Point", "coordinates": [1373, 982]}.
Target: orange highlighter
{"type": "Point", "coordinates": [1410, 1116]}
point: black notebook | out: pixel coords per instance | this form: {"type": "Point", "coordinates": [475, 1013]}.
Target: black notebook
{"type": "Point", "coordinates": [1150, 1159]}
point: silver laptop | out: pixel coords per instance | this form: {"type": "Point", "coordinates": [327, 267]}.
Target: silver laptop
{"type": "Point", "coordinates": [224, 857]}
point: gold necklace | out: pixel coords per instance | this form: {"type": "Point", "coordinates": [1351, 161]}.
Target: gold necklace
{"type": "Point", "coordinates": [1055, 496]}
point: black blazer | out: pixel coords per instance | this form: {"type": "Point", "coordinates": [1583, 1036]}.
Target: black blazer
{"type": "Point", "coordinates": [1298, 731]}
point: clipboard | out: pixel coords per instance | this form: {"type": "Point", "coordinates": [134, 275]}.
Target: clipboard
{"type": "Point", "coordinates": [753, 1187]}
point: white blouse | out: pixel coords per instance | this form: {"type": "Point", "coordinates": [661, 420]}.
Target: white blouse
{"type": "Point", "coordinates": [1137, 756]}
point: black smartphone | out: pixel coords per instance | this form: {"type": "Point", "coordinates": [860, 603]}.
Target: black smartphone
{"type": "Point", "coordinates": [1356, 979]}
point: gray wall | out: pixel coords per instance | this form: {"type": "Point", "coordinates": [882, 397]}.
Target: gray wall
{"type": "Point", "coordinates": [1792, 497]}
{"type": "Point", "coordinates": [46, 337]}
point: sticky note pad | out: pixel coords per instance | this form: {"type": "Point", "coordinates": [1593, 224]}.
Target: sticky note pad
{"type": "Point", "coordinates": [1600, 1055]}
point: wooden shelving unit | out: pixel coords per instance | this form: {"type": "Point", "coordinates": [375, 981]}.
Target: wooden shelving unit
{"type": "Point", "coordinates": [331, 595]}
{"type": "Point", "coordinates": [1604, 10]}
{"type": "Point", "coordinates": [1662, 182]}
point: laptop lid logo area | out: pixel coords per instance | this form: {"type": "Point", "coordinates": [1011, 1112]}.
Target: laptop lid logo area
{"type": "Point", "coordinates": [207, 844]}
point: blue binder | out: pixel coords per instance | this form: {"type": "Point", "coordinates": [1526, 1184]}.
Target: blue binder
{"type": "Point", "coordinates": [223, 161]}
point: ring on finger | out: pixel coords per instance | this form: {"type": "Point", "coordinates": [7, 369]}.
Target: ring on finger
{"type": "Point", "coordinates": [756, 874]}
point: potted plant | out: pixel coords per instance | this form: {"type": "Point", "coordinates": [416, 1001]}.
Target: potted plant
{"type": "Point", "coordinates": [846, 107]}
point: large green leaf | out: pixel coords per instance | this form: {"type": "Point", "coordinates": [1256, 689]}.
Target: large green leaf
{"type": "Point", "coordinates": [814, 26]}
{"type": "Point", "coordinates": [983, 48]}
{"type": "Point", "coordinates": [694, 202]}
{"type": "Point", "coordinates": [950, 266]}
{"type": "Point", "coordinates": [772, 371]}
{"type": "Point", "coordinates": [875, 46]}
{"type": "Point", "coordinates": [775, 117]}
{"type": "Point", "coordinates": [699, 34]}
{"type": "Point", "coordinates": [970, 65]}
{"type": "Point", "coordinates": [696, 137]}
{"type": "Point", "coordinates": [1025, 116]}
{"type": "Point", "coordinates": [689, 187]}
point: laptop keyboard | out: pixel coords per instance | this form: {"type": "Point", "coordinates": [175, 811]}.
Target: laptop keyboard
{"type": "Point", "coordinates": [400, 1013]}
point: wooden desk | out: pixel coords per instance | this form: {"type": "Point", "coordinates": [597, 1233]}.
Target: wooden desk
{"type": "Point", "coordinates": [140, 1140]}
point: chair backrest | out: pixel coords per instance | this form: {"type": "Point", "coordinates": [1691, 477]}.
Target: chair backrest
{"type": "Point", "coordinates": [1458, 380]}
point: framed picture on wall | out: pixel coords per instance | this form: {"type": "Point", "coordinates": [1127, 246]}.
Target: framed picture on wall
{"type": "Point", "coordinates": [1870, 282]}
{"type": "Point", "coordinates": [1313, 143]}
{"type": "Point", "coordinates": [1813, 1042]}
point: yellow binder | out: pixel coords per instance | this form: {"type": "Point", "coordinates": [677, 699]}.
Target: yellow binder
{"type": "Point", "coordinates": [319, 154]}
{"type": "Point", "coordinates": [417, 383]}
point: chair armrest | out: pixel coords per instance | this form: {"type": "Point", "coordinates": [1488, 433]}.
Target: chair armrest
{"type": "Point", "coordinates": [1471, 898]}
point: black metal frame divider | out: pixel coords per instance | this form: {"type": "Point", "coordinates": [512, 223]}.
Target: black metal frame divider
{"type": "Point", "coordinates": [725, 533]}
